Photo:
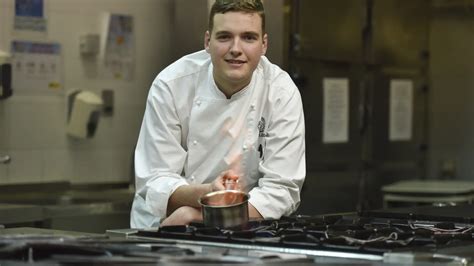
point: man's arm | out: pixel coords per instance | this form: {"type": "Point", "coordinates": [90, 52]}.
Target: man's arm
{"type": "Point", "coordinates": [283, 166]}
{"type": "Point", "coordinates": [183, 215]}
{"type": "Point", "coordinates": [159, 156]}
{"type": "Point", "coordinates": [187, 195]}
{"type": "Point", "coordinates": [253, 213]}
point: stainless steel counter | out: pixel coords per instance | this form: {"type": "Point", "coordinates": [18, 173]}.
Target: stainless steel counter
{"type": "Point", "coordinates": [57, 247]}
{"type": "Point", "coordinates": [20, 213]}
{"type": "Point", "coordinates": [62, 206]}
{"type": "Point", "coordinates": [30, 231]}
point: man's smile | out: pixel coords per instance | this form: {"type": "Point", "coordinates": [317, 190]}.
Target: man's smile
{"type": "Point", "coordinates": [235, 61]}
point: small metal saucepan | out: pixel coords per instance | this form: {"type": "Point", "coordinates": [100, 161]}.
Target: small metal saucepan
{"type": "Point", "coordinates": [225, 209]}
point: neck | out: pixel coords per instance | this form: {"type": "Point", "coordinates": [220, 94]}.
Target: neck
{"type": "Point", "coordinates": [230, 89]}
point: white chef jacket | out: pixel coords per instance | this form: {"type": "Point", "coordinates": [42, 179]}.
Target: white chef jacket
{"type": "Point", "coordinates": [191, 133]}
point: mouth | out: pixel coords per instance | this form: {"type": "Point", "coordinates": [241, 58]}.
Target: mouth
{"type": "Point", "coordinates": [235, 62]}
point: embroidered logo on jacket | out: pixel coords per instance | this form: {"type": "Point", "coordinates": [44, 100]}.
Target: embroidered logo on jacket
{"type": "Point", "coordinates": [261, 134]}
{"type": "Point", "coordinates": [261, 128]}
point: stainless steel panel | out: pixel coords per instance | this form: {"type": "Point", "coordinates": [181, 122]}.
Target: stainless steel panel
{"type": "Point", "coordinates": [451, 97]}
{"type": "Point", "coordinates": [20, 214]}
{"type": "Point", "coordinates": [331, 30]}
{"type": "Point", "coordinates": [52, 206]}
{"type": "Point", "coordinates": [401, 32]}
{"type": "Point", "coordinates": [369, 42]}
{"type": "Point", "coordinates": [399, 159]}
{"type": "Point", "coordinates": [329, 192]}
{"type": "Point", "coordinates": [322, 156]}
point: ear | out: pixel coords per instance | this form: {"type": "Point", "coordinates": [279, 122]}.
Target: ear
{"type": "Point", "coordinates": [264, 44]}
{"type": "Point", "coordinates": [207, 40]}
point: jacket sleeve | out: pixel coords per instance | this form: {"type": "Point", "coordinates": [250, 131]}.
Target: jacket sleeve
{"type": "Point", "coordinates": [159, 156]}
{"type": "Point", "coordinates": [283, 167]}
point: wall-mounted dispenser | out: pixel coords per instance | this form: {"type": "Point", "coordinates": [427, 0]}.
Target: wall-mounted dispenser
{"type": "Point", "coordinates": [89, 44]}
{"type": "Point", "coordinates": [83, 114]}
{"type": "Point", "coordinates": [5, 76]}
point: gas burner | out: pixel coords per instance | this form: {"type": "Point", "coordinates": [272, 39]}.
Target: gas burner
{"type": "Point", "coordinates": [336, 233]}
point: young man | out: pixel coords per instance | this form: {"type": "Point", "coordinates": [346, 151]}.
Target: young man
{"type": "Point", "coordinates": [225, 112]}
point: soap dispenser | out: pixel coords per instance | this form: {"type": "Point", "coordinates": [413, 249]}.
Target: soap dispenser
{"type": "Point", "coordinates": [84, 112]}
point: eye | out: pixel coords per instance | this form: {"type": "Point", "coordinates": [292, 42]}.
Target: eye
{"type": "Point", "coordinates": [250, 37]}
{"type": "Point", "coordinates": [223, 37]}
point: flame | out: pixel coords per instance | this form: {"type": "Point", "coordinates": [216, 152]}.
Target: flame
{"type": "Point", "coordinates": [234, 158]}
{"type": "Point", "coordinates": [234, 176]}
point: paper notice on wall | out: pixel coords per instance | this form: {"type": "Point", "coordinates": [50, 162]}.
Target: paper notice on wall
{"type": "Point", "coordinates": [401, 109]}
{"type": "Point", "coordinates": [119, 57]}
{"type": "Point", "coordinates": [336, 110]}
{"type": "Point", "coordinates": [29, 15]}
{"type": "Point", "coordinates": [36, 66]}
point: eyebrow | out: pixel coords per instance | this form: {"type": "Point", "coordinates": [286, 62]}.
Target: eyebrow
{"type": "Point", "coordinates": [253, 33]}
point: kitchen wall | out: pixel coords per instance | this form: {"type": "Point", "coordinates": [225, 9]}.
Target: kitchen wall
{"type": "Point", "coordinates": [33, 124]}
{"type": "Point", "coordinates": [451, 124]}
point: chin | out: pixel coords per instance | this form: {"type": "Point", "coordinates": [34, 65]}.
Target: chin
{"type": "Point", "coordinates": [238, 80]}
{"type": "Point", "coordinates": [237, 76]}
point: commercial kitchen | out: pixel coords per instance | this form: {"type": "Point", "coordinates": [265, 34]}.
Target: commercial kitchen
{"type": "Point", "coordinates": [387, 95]}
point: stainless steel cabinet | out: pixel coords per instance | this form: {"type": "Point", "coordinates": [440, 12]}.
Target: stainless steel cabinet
{"type": "Point", "coordinates": [369, 42]}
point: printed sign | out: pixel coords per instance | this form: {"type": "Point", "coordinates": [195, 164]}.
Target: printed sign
{"type": "Point", "coordinates": [29, 15]}
{"type": "Point", "coordinates": [336, 110]}
{"type": "Point", "coordinates": [36, 66]}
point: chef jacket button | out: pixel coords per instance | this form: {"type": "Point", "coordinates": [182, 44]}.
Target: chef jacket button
{"type": "Point", "coordinates": [244, 147]}
{"type": "Point", "coordinates": [252, 107]}
{"type": "Point", "coordinates": [198, 103]}
{"type": "Point", "coordinates": [195, 142]}
{"type": "Point", "coordinates": [192, 178]}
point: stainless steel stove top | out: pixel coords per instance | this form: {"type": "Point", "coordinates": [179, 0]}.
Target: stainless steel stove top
{"type": "Point", "coordinates": [403, 237]}
{"type": "Point", "coordinates": [383, 236]}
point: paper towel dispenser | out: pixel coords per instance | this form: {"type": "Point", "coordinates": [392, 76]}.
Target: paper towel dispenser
{"type": "Point", "coordinates": [84, 112]}
{"type": "Point", "coordinates": [5, 76]}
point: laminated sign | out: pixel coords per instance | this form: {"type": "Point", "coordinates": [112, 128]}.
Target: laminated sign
{"type": "Point", "coordinates": [119, 47]}
{"type": "Point", "coordinates": [36, 66]}
{"type": "Point", "coordinates": [336, 110]}
{"type": "Point", "coordinates": [29, 15]}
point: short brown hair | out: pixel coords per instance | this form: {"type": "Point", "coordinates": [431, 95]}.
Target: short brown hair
{"type": "Point", "coordinates": [246, 6]}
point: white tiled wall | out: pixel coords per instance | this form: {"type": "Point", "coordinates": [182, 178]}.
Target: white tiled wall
{"type": "Point", "coordinates": [32, 124]}
{"type": "Point", "coordinates": [3, 128]}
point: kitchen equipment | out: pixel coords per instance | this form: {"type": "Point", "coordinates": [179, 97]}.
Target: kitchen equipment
{"type": "Point", "coordinates": [63, 206]}
{"type": "Point", "coordinates": [409, 236]}
{"type": "Point", "coordinates": [34, 246]}
{"type": "Point", "coordinates": [225, 209]}
{"type": "Point", "coordinates": [428, 236]}
{"type": "Point", "coordinates": [428, 192]}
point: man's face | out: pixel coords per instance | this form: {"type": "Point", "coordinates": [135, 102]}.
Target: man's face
{"type": "Point", "coordinates": [235, 45]}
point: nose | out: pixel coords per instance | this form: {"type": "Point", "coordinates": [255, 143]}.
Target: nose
{"type": "Point", "coordinates": [235, 48]}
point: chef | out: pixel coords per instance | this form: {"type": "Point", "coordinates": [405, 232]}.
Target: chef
{"type": "Point", "coordinates": [225, 112]}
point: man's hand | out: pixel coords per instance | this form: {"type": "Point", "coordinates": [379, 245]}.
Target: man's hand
{"type": "Point", "coordinates": [182, 216]}
{"type": "Point", "coordinates": [220, 182]}
{"type": "Point", "coordinates": [188, 195]}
